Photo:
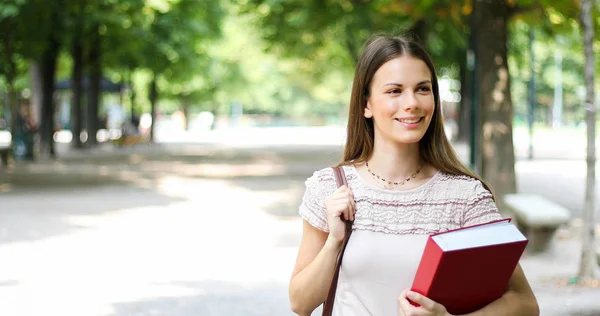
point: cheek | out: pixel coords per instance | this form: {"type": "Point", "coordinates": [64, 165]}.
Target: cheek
{"type": "Point", "coordinates": [429, 105]}
{"type": "Point", "coordinates": [384, 106]}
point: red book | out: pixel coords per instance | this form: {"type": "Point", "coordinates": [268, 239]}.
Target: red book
{"type": "Point", "coordinates": [467, 268]}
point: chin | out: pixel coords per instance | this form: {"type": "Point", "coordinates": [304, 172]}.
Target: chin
{"type": "Point", "coordinates": [409, 140]}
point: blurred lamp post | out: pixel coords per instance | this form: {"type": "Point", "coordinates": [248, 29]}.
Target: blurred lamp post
{"type": "Point", "coordinates": [474, 146]}
{"type": "Point", "coordinates": [558, 89]}
{"type": "Point", "coordinates": [588, 265]}
{"type": "Point", "coordinates": [531, 94]}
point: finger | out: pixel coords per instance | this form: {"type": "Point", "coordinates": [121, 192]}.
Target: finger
{"type": "Point", "coordinates": [404, 306]}
{"type": "Point", "coordinates": [342, 188]}
{"type": "Point", "coordinates": [347, 212]}
{"type": "Point", "coordinates": [351, 204]}
{"type": "Point", "coordinates": [422, 300]}
{"type": "Point", "coordinates": [341, 196]}
{"type": "Point", "coordinates": [341, 210]}
{"type": "Point", "coordinates": [350, 210]}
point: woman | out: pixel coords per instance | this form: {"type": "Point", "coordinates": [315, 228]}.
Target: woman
{"type": "Point", "coordinates": [404, 183]}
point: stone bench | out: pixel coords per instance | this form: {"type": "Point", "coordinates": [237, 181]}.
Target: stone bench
{"type": "Point", "coordinates": [537, 218]}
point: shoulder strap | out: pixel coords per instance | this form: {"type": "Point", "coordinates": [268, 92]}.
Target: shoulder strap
{"type": "Point", "coordinates": [340, 179]}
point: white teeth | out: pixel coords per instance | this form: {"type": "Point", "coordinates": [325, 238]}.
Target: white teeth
{"type": "Point", "coordinates": [409, 121]}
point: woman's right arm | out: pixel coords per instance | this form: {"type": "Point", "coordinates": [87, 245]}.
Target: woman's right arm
{"type": "Point", "coordinates": [314, 270]}
{"type": "Point", "coordinates": [318, 253]}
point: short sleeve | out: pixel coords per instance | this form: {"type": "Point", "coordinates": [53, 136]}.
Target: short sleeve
{"type": "Point", "coordinates": [480, 208]}
{"type": "Point", "coordinates": [318, 187]}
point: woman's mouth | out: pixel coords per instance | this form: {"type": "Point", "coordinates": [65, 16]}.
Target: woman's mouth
{"type": "Point", "coordinates": [412, 122]}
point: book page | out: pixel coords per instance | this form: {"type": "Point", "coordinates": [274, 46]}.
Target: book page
{"type": "Point", "coordinates": [479, 236]}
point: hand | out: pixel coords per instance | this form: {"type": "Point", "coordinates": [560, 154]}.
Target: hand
{"type": "Point", "coordinates": [339, 205]}
{"type": "Point", "coordinates": [427, 307]}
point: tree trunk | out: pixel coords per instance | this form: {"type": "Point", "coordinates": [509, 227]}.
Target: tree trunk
{"type": "Point", "coordinates": [94, 91]}
{"type": "Point", "coordinates": [588, 264]}
{"type": "Point", "coordinates": [215, 109]}
{"type": "Point", "coordinates": [77, 87]}
{"type": "Point", "coordinates": [10, 73]}
{"type": "Point", "coordinates": [497, 152]}
{"type": "Point", "coordinates": [132, 90]}
{"type": "Point", "coordinates": [36, 92]}
{"type": "Point", "coordinates": [10, 100]}
{"type": "Point", "coordinates": [48, 71]}
{"type": "Point", "coordinates": [185, 108]}
{"type": "Point", "coordinates": [153, 95]}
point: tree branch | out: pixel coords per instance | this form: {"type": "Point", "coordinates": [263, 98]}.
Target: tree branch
{"type": "Point", "coordinates": [519, 9]}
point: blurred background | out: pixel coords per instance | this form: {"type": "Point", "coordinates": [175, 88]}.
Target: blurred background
{"type": "Point", "coordinates": [153, 153]}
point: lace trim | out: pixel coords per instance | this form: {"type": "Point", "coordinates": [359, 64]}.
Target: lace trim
{"type": "Point", "coordinates": [445, 202]}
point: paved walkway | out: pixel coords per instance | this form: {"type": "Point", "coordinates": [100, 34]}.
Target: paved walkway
{"type": "Point", "coordinates": [199, 230]}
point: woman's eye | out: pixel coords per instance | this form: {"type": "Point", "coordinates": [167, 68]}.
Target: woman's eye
{"type": "Point", "coordinates": [424, 89]}
{"type": "Point", "coordinates": [394, 91]}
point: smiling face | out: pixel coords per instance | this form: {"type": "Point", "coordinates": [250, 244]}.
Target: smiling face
{"type": "Point", "coordinates": [401, 101]}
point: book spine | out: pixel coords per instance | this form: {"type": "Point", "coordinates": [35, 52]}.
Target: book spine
{"type": "Point", "coordinates": [428, 266]}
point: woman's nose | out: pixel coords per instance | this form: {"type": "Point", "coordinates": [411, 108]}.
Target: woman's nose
{"type": "Point", "coordinates": [410, 101]}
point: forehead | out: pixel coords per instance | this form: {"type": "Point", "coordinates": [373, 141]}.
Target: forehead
{"type": "Point", "coordinates": [405, 70]}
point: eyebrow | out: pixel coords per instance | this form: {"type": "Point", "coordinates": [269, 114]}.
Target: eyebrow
{"type": "Point", "coordinates": [400, 85]}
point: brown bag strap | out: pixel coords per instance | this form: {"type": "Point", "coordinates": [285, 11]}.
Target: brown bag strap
{"type": "Point", "coordinates": [340, 179]}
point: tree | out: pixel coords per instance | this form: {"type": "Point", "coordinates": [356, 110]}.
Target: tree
{"type": "Point", "coordinates": [125, 37]}
{"type": "Point", "coordinates": [94, 62]}
{"type": "Point", "coordinates": [77, 75]}
{"type": "Point", "coordinates": [494, 150]}
{"type": "Point", "coordinates": [10, 52]}
{"type": "Point", "coordinates": [490, 28]}
{"type": "Point", "coordinates": [173, 44]}
{"type": "Point", "coordinates": [9, 70]}
{"type": "Point", "coordinates": [53, 23]}
{"type": "Point", "coordinates": [588, 268]}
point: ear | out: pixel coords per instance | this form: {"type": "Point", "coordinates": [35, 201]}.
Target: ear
{"type": "Point", "coordinates": [368, 113]}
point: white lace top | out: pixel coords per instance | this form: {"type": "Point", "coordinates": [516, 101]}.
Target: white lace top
{"type": "Point", "coordinates": [390, 230]}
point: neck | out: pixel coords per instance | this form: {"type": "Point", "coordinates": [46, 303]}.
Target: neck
{"type": "Point", "coordinates": [394, 161]}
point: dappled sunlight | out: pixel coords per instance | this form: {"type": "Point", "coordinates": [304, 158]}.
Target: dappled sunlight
{"type": "Point", "coordinates": [154, 153]}
{"type": "Point", "coordinates": [494, 129]}
{"type": "Point", "coordinates": [258, 137]}
{"type": "Point", "coordinates": [213, 170]}
{"type": "Point", "coordinates": [184, 229]}
{"type": "Point", "coordinates": [5, 187]}
{"type": "Point", "coordinates": [500, 92]}
{"type": "Point", "coordinates": [217, 231]}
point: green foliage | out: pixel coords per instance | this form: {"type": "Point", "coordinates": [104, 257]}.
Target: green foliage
{"type": "Point", "coordinates": [286, 57]}
{"type": "Point", "coordinates": [261, 81]}
{"type": "Point", "coordinates": [556, 31]}
{"type": "Point", "coordinates": [10, 8]}
{"type": "Point", "coordinates": [323, 39]}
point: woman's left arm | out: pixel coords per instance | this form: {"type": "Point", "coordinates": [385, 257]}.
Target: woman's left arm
{"type": "Point", "coordinates": [518, 300]}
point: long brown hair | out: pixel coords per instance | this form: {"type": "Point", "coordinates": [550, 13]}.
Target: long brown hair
{"type": "Point", "coordinates": [434, 147]}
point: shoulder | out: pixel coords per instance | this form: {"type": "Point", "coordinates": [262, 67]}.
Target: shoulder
{"type": "Point", "coordinates": [322, 175]}
{"type": "Point", "coordinates": [321, 182]}
{"type": "Point", "coordinates": [463, 186]}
